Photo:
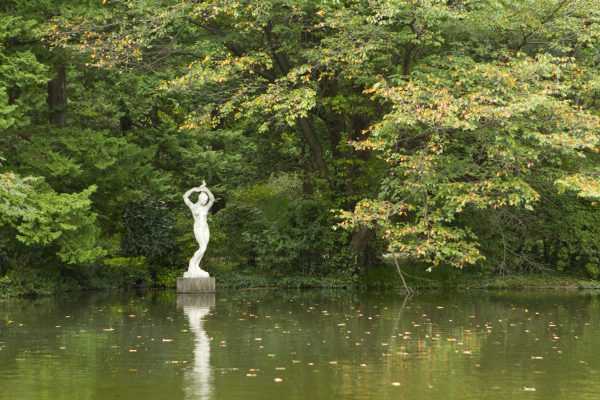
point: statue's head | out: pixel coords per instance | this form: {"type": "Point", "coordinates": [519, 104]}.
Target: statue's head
{"type": "Point", "coordinates": [203, 198]}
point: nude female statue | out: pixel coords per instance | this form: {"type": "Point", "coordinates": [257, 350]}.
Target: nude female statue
{"type": "Point", "coordinates": [201, 232]}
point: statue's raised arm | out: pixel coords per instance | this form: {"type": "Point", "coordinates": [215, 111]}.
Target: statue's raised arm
{"type": "Point", "coordinates": [186, 196]}
{"type": "Point", "coordinates": [211, 197]}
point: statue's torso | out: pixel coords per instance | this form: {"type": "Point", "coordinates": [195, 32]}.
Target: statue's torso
{"type": "Point", "coordinates": [201, 231]}
{"type": "Point", "coordinates": [200, 213]}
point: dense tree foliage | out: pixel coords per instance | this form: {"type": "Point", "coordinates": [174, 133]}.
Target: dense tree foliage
{"type": "Point", "coordinates": [450, 132]}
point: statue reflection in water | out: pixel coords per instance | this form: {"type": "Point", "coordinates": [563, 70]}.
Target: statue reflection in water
{"type": "Point", "coordinates": [196, 307]}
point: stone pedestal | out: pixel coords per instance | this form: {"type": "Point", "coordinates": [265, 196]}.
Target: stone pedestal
{"type": "Point", "coordinates": [195, 285]}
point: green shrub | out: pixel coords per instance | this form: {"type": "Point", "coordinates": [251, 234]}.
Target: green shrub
{"type": "Point", "coordinates": [25, 281]}
{"type": "Point", "coordinates": [149, 229]}
{"type": "Point", "coordinates": [593, 268]}
{"type": "Point", "coordinates": [270, 228]}
{"type": "Point", "coordinates": [167, 277]}
{"type": "Point", "coordinates": [127, 271]}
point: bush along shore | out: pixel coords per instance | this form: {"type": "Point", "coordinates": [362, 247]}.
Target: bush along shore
{"type": "Point", "coordinates": [382, 277]}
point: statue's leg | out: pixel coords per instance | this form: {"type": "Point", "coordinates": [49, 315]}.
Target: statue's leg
{"type": "Point", "coordinates": [201, 252]}
{"type": "Point", "coordinates": [195, 260]}
{"type": "Point", "coordinates": [197, 257]}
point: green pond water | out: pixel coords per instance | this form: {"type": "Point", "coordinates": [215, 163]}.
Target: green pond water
{"type": "Point", "coordinates": [301, 345]}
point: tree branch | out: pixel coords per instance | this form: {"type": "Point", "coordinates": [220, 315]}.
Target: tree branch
{"type": "Point", "coordinates": [236, 50]}
{"type": "Point", "coordinates": [281, 59]}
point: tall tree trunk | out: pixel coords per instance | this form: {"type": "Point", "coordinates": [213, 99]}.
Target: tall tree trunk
{"type": "Point", "coordinates": [361, 238]}
{"type": "Point", "coordinates": [360, 245]}
{"type": "Point", "coordinates": [154, 117]}
{"type": "Point", "coordinates": [309, 134]}
{"type": "Point", "coordinates": [13, 95]}
{"type": "Point", "coordinates": [308, 131]}
{"type": "Point", "coordinates": [336, 127]}
{"type": "Point", "coordinates": [57, 97]}
{"type": "Point", "coordinates": [125, 121]}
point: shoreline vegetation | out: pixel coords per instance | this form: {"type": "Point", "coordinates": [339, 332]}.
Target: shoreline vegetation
{"type": "Point", "coordinates": [379, 278]}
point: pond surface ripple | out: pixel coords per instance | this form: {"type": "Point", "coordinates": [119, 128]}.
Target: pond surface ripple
{"type": "Point", "coordinates": [301, 345]}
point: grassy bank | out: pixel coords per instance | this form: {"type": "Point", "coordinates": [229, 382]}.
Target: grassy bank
{"type": "Point", "coordinates": [386, 276]}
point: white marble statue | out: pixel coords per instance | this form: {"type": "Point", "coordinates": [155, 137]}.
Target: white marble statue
{"type": "Point", "coordinates": [201, 232]}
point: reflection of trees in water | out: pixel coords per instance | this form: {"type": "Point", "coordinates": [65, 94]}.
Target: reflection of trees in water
{"type": "Point", "coordinates": [305, 326]}
{"type": "Point", "coordinates": [60, 347]}
{"type": "Point", "coordinates": [199, 378]}
{"type": "Point", "coordinates": [448, 340]}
